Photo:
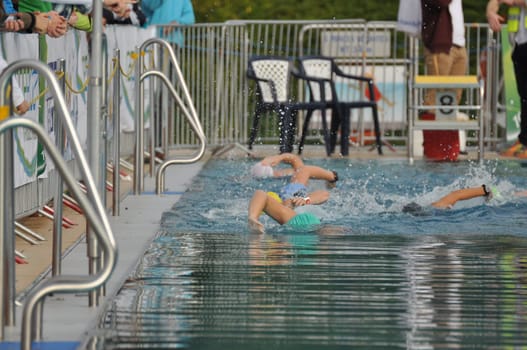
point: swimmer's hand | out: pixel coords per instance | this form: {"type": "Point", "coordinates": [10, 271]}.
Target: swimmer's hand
{"type": "Point", "coordinates": [300, 201]}
{"type": "Point", "coordinates": [256, 226]}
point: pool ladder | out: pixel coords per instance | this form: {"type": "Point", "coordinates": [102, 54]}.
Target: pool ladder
{"type": "Point", "coordinates": [187, 107]}
{"type": "Point", "coordinates": [92, 207]}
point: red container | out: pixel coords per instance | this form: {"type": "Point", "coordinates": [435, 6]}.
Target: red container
{"type": "Point", "coordinates": [440, 145]}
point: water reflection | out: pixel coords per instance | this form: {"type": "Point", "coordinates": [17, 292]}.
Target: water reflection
{"type": "Point", "coordinates": [319, 291]}
{"type": "Point", "coordinates": [454, 279]}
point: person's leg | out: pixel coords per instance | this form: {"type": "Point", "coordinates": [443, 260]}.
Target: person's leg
{"type": "Point", "coordinates": [436, 64]}
{"type": "Point", "coordinates": [262, 202]}
{"type": "Point", "coordinates": [467, 193]}
{"type": "Point", "coordinates": [519, 57]}
{"type": "Point", "coordinates": [439, 145]}
{"type": "Point", "coordinates": [459, 66]}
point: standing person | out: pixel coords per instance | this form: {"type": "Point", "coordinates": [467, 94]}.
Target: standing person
{"type": "Point", "coordinates": [128, 14]}
{"type": "Point", "coordinates": [517, 26]}
{"type": "Point", "coordinates": [114, 12]}
{"type": "Point", "coordinates": [169, 12]}
{"type": "Point", "coordinates": [9, 8]}
{"type": "Point", "coordinates": [443, 35]}
{"type": "Point", "coordinates": [24, 22]}
{"type": "Point", "coordinates": [56, 25]}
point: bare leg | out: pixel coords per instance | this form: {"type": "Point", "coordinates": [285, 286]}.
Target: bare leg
{"type": "Point", "coordinates": [256, 226]}
{"type": "Point", "coordinates": [261, 201]}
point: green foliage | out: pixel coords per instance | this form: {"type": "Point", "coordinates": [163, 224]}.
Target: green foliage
{"type": "Point", "coordinates": [224, 10]}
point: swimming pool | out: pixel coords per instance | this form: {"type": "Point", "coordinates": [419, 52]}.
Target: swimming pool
{"type": "Point", "coordinates": [387, 279]}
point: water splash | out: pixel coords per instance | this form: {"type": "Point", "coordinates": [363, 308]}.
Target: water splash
{"type": "Point", "coordinates": [368, 199]}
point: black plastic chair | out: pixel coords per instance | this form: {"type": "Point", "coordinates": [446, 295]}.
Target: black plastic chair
{"type": "Point", "coordinates": [273, 76]}
{"type": "Point", "coordinates": [325, 68]}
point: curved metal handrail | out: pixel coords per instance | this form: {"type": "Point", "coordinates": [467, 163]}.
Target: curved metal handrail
{"type": "Point", "coordinates": [194, 123]}
{"type": "Point", "coordinates": [179, 74]}
{"type": "Point", "coordinates": [188, 110]}
{"type": "Point", "coordinates": [64, 283]}
{"type": "Point", "coordinates": [96, 214]}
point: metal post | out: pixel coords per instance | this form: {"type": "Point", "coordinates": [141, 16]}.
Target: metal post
{"type": "Point", "coordinates": [104, 142]}
{"type": "Point", "coordinates": [56, 260]}
{"type": "Point", "coordinates": [5, 215]}
{"type": "Point", "coordinates": [413, 95]}
{"type": "Point", "coordinates": [38, 324]}
{"type": "Point", "coordinates": [165, 106]}
{"type": "Point", "coordinates": [104, 118]}
{"type": "Point", "coordinates": [139, 126]}
{"type": "Point", "coordinates": [165, 103]}
{"type": "Point", "coordinates": [94, 130]}
{"type": "Point", "coordinates": [116, 133]}
{"type": "Point", "coordinates": [491, 81]}
{"type": "Point", "coordinates": [7, 220]}
{"type": "Point", "coordinates": [153, 127]}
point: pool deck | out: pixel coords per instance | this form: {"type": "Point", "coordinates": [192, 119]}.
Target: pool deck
{"type": "Point", "coordinates": [67, 317]}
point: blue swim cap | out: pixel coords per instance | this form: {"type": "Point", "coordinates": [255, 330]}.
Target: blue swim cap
{"type": "Point", "coordinates": [294, 189]}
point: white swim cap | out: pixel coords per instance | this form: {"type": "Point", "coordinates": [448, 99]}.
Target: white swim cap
{"type": "Point", "coordinates": [261, 170]}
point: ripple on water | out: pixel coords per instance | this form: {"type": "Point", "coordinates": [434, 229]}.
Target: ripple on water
{"type": "Point", "coordinates": [447, 279]}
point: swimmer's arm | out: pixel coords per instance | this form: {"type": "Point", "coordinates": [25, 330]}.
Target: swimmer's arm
{"type": "Point", "coordinates": [467, 193]}
{"type": "Point", "coordinates": [313, 198]}
{"type": "Point", "coordinates": [318, 197]}
{"type": "Point", "coordinates": [521, 193]}
{"type": "Point", "coordinates": [290, 158]}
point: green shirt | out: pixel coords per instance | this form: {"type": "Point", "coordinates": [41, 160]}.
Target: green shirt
{"type": "Point", "coordinates": [34, 5]}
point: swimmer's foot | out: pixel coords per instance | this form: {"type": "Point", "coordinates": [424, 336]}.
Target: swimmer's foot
{"type": "Point", "coordinates": [256, 226]}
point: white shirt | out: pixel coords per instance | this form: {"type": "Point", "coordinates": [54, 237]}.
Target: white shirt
{"type": "Point", "coordinates": [458, 22]}
{"type": "Point", "coordinates": [18, 95]}
{"type": "Point", "coordinates": [521, 35]}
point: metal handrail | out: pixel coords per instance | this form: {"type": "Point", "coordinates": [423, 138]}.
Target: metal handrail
{"type": "Point", "coordinates": [188, 109]}
{"type": "Point", "coordinates": [196, 126]}
{"type": "Point", "coordinates": [92, 206]}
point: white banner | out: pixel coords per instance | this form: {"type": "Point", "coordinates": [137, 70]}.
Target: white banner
{"type": "Point", "coordinates": [24, 140]}
{"type": "Point", "coordinates": [73, 47]}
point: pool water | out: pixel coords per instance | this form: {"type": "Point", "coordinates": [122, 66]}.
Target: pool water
{"type": "Point", "coordinates": [369, 277]}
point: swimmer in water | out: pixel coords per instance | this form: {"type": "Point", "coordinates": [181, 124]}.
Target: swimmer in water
{"type": "Point", "coordinates": [448, 201]}
{"type": "Point", "coordinates": [282, 207]}
{"type": "Point", "coordinates": [300, 172]}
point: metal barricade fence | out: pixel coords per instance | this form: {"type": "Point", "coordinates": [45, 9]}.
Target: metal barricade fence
{"type": "Point", "coordinates": [373, 49]}
{"type": "Point", "coordinates": [214, 61]}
